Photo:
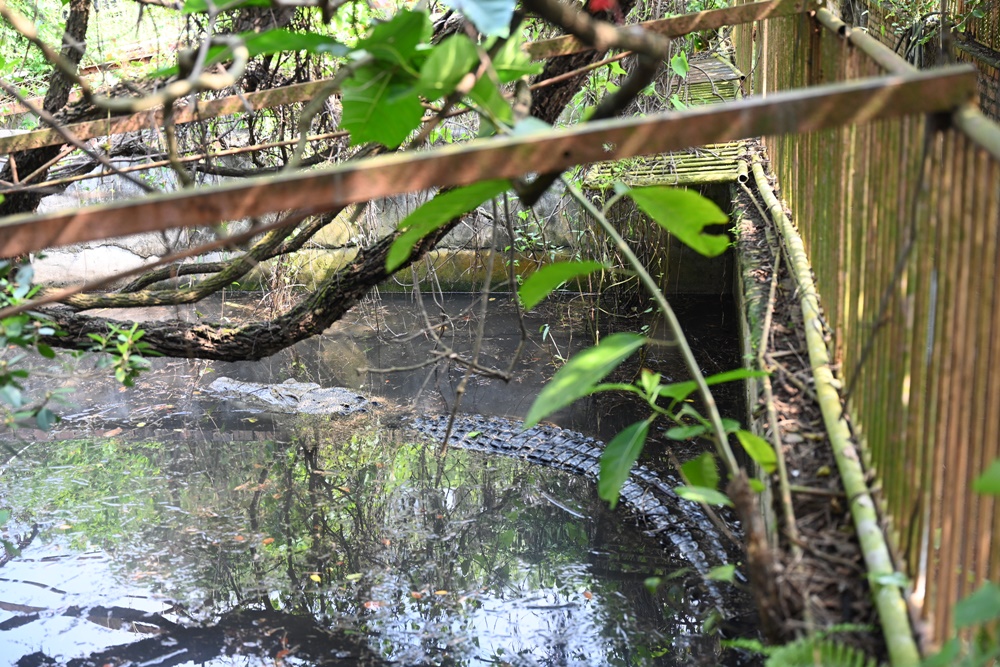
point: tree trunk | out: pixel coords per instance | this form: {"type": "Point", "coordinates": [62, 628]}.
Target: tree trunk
{"type": "Point", "coordinates": [73, 46]}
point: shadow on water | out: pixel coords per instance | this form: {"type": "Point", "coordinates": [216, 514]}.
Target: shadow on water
{"type": "Point", "coordinates": [175, 528]}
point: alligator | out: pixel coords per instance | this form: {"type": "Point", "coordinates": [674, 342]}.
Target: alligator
{"type": "Point", "coordinates": [650, 495]}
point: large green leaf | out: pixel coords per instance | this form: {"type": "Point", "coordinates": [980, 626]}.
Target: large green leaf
{"type": "Point", "coordinates": [685, 214]}
{"type": "Point", "coordinates": [702, 471]}
{"type": "Point", "coordinates": [989, 481]}
{"type": "Point", "coordinates": [447, 63]}
{"type": "Point", "coordinates": [542, 282]}
{"type": "Point", "coordinates": [703, 494]}
{"type": "Point", "coordinates": [437, 212]}
{"type": "Point", "coordinates": [489, 98]}
{"type": "Point", "coordinates": [512, 62]}
{"type": "Point", "coordinates": [679, 64]}
{"type": "Point", "coordinates": [581, 373]}
{"type": "Point", "coordinates": [396, 40]}
{"type": "Point", "coordinates": [980, 607]}
{"type": "Point", "coordinates": [617, 460]}
{"type": "Point", "coordinates": [378, 107]}
{"type": "Point", "coordinates": [491, 17]}
{"type": "Point", "coordinates": [759, 449]}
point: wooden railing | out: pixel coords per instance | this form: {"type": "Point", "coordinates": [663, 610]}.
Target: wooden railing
{"type": "Point", "coordinates": [900, 219]}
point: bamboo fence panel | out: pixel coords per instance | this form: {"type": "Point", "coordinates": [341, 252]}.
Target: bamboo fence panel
{"type": "Point", "coordinates": [900, 218]}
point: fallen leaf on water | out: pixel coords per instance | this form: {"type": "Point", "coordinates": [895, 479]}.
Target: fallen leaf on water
{"type": "Point", "coordinates": [140, 424]}
{"type": "Point", "coordinates": [267, 540]}
{"type": "Point", "coordinates": [442, 592]}
{"type": "Point", "coordinates": [354, 577]}
{"type": "Point", "coordinates": [588, 595]}
{"type": "Point", "coordinates": [387, 542]}
{"type": "Point", "coordinates": [65, 526]}
{"type": "Point", "coordinates": [240, 538]}
{"type": "Point", "coordinates": [112, 433]}
{"type": "Point", "coordinates": [416, 595]}
{"type": "Point", "coordinates": [373, 604]}
{"type": "Point", "coordinates": [316, 577]}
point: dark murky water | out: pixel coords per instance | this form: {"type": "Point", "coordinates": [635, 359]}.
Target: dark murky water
{"type": "Point", "coordinates": [196, 532]}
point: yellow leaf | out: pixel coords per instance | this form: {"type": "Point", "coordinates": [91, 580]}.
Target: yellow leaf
{"type": "Point", "coordinates": [316, 577]}
{"type": "Point", "coordinates": [440, 592]}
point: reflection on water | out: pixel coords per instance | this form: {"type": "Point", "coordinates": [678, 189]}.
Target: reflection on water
{"type": "Point", "coordinates": [187, 530]}
{"type": "Point", "coordinates": [454, 560]}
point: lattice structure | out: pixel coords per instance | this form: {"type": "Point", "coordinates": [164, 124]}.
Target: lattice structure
{"type": "Point", "coordinates": [712, 80]}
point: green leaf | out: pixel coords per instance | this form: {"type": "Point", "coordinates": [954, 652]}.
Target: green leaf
{"type": "Point", "coordinates": [491, 17]}
{"type": "Point", "coordinates": [396, 40]}
{"type": "Point", "coordinates": [759, 449]}
{"type": "Point", "coordinates": [897, 579]}
{"type": "Point", "coordinates": [512, 62]}
{"type": "Point", "coordinates": [756, 485]}
{"type": "Point", "coordinates": [438, 212]}
{"type": "Point", "coordinates": [447, 63]}
{"type": "Point", "coordinates": [526, 126]}
{"type": "Point", "coordinates": [946, 657]}
{"type": "Point", "coordinates": [11, 395]}
{"type": "Point", "coordinates": [380, 108]}
{"type": "Point", "coordinates": [702, 471]}
{"type": "Point", "coordinates": [617, 460]}
{"type": "Point", "coordinates": [685, 214]}
{"type": "Point", "coordinates": [686, 432]}
{"type": "Point", "coordinates": [679, 391]}
{"type": "Point", "coordinates": [730, 425]}
{"type": "Point", "coordinates": [4, 517]}
{"type": "Point", "coordinates": [989, 481]}
{"type": "Point", "coordinates": [649, 381]}
{"type": "Point", "coordinates": [548, 278]}
{"type": "Point", "coordinates": [652, 583]}
{"type": "Point", "coordinates": [578, 377]}
{"type": "Point", "coordinates": [279, 39]}
{"type": "Point", "coordinates": [201, 6]}
{"type": "Point", "coordinates": [679, 64]}
{"type": "Point", "coordinates": [487, 96]}
{"type": "Point", "coordinates": [980, 607]}
{"type": "Point", "coordinates": [46, 419]}
{"type": "Point", "coordinates": [701, 494]}
{"type": "Point", "coordinates": [46, 351]}
{"type": "Point", "coordinates": [725, 573]}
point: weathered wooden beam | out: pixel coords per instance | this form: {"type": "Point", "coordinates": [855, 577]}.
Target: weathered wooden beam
{"type": "Point", "coordinates": [222, 106]}
{"type": "Point", "coordinates": [799, 111]}
{"type": "Point", "coordinates": [678, 26]}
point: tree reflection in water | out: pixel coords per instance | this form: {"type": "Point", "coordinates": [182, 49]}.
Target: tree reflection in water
{"type": "Point", "coordinates": [346, 531]}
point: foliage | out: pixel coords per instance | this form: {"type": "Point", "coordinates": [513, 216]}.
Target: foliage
{"type": "Point", "coordinates": [816, 650]}
{"type": "Point", "coordinates": [383, 97]}
{"type": "Point", "coordinates": [125, 351]}
{"type": "Point", "coordinates": [978, 612]}
{"type": "Point", "coordinates": [22, 332]}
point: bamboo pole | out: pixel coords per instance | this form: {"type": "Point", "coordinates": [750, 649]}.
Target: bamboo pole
{"type": "Point", "coordinates": [889, 600]}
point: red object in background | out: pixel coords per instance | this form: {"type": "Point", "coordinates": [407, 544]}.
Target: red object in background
{"type": "Point", "coordinates": [609, 6]}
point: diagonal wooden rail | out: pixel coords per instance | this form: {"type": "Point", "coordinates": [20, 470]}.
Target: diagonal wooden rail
{"type": "Point", "coordinates": [678, 26]}
{"type": "Point", "coordinates": [226, 106]}
{"type": "Point", "coordinates": [821, 107]}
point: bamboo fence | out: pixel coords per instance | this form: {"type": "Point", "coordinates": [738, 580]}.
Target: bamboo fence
{"type": "Point", "coordinates": [900, 218]}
